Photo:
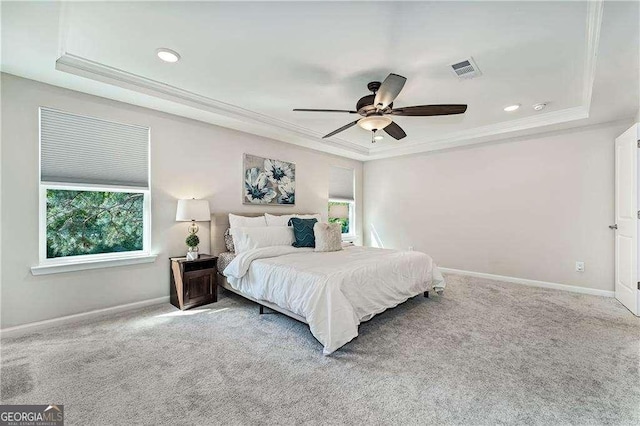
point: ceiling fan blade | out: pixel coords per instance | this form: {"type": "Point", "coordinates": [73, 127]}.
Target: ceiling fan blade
{"type": "Point", "coordinates": [389, 90]}
{"type": "Point", "coordinates": [325, 110]}
{"type": "Point", "coordinates": [395, 131]}
{"type": "Point", "coordinates": [429, 110]}
{"type": "Point", "coordinates": [335, 132]}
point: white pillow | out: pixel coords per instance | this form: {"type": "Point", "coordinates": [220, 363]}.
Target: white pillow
{"type": "Point", "coordinates": [265, 236]}
{"type": "Point", "coordinates": [273, 220]}
{"type": "Point", "coordinates": [236, 221]}
{"type": "Point", "coordinates": [328, 236]}
{"type": "Point", "coordinates": [283, 220]}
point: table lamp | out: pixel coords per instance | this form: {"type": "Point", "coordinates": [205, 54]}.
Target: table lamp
{"type": "Point", "coordinates": [193, 211]}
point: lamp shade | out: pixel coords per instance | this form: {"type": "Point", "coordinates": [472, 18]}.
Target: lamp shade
{"type": "Point", "coordinates": [339, 211]}
{"type": "Point", "coordinates": [193, 210]}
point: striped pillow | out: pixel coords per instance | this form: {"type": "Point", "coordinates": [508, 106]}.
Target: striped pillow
{"type": "Point", "coordinates": [303, 232]}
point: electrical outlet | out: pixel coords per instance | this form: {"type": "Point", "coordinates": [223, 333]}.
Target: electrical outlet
{"type": "Point", "coordinates": [579, 266]}
{"type": "Point", "coordinates": [410, 248]}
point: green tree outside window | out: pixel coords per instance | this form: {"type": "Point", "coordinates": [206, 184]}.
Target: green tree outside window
{"type": "Point", "coordinates": [93, 222]}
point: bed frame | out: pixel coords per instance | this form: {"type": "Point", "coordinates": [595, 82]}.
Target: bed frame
{"type": "Point", "coordinates": [219, 224]}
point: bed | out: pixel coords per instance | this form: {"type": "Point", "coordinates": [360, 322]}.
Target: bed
{"type": "Point", "coordinates": [333, 292]}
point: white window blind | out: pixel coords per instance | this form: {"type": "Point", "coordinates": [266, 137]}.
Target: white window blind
{"type": "Point", "coordinates": [341, 183]}
{"type": "Point", "coordinates": [79, 149]}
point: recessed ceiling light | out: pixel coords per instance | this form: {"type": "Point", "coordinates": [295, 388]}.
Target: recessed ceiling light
{"type": "Point", "coordinates": [378, 137]}
{"type": "Point", "coordinates": [539, 107]}
{"type": "Point", "coordinates": [168, 55]}
{"type": "Point", "coordinates": [512, 107]}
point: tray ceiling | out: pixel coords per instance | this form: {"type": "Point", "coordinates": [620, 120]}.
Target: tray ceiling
{"type": "Point", "coordinates": [247, 65]}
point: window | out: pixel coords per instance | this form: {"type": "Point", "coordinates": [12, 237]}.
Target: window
{"type": "Point", "coordinates": [93, 222]}
{"type": "Point", "coordinates": [94, 189]}
{"type": "Point", "coordinates": [342, 205]}
{"type": "Point", "coordinates": [345, 220]}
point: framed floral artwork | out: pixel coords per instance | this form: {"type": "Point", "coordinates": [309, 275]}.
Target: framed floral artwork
{"type": "Point", "coordinates": [268, 181]}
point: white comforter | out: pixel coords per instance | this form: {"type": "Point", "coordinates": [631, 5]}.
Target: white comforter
{"type": "Point", "coordinates": [333, 291]}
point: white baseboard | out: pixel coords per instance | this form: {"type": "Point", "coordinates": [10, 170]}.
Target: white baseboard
{"type": "Point", "coordinates": [534, 283]}
{"type": "Point", "coordinates": [41, 325]}
{"type": "Point", "coordinates": [31, 327]}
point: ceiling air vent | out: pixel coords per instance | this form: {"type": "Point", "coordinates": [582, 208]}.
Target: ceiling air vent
{"type": "Point", "coordinates": [466, 69]}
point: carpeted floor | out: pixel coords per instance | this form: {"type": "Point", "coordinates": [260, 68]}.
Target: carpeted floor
{"type": "Point", "coordinates": [484, 353]}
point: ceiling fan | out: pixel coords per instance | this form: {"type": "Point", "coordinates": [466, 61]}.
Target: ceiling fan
{"type": "Point", "coordinates": [376, 109]}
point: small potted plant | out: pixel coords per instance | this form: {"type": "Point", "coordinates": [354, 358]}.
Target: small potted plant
{"type": "Point", "coordinates": [192, 242]}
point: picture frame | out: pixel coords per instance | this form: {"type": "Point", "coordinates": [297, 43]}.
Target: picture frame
{"type": "Point", "coordinates": [268, 182]}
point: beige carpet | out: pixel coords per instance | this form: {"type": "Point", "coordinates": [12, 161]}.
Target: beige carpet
{"type": "Point", "coordinates": [484, 353]}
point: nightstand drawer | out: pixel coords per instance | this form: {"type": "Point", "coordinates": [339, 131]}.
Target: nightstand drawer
{"type": "Point", "coordinates": [198, 265]}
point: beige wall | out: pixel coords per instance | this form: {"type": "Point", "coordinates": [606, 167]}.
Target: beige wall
{"type": "Point", "coordinates": [528, 209]}
{"type": "Point", "coordinates": [188, 159]}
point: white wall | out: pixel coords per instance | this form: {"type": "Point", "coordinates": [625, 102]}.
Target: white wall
{"type": "Point", "coordinates": [528, 209]}
{"type": "Point", "coordinates": [188, 159]}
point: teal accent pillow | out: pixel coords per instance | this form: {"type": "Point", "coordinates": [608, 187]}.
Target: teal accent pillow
{"type": "Point", "coordinates": [303, 232]}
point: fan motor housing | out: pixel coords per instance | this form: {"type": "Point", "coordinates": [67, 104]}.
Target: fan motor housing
{"type": "Point", "coordinates": [365, 105]}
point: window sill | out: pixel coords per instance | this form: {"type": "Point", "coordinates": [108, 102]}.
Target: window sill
{"type": "Point", "coordinates": [82, 265]}
{"type": "Point", "coordinates": [349, 238]}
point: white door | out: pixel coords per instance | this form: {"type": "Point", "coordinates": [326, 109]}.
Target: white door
{"type": "Point", "coordinates": [626, 271]}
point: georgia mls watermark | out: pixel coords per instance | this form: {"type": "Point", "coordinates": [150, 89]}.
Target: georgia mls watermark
{"type": "Point", "coordinates": [31, 415]}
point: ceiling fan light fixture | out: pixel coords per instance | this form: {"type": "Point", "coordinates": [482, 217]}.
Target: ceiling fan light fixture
{"type": "Point", "coordinates": [168, 55]}
{"type": "Point", "coordinates": [374, 122]}
{"type": "Point", "coordinates": [374, 109]}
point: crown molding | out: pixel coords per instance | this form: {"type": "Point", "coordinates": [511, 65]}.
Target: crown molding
{"type": "Point", "coordinates": [509, 137]}
{"type": "Point", "coordinates": [593, 28]}
{"type": "Point", "coordinates": [480, 134]}
{"type": "Point", "coordinates": [84, 67]}
{"type": "Point", "coordinates": [301, 136]}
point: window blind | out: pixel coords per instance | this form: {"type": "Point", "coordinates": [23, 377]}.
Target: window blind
{"type": "Point", "coordinates": [78, 149]}
{"type": "Point", "coordinates": [341, 183]}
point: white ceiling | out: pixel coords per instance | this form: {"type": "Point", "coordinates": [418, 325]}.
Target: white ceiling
{"type": "Point", "coordinates": [247, 65]}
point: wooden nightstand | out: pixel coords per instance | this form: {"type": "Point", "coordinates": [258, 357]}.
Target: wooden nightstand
{"type": "Point", "coordinates": [193, 282]}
